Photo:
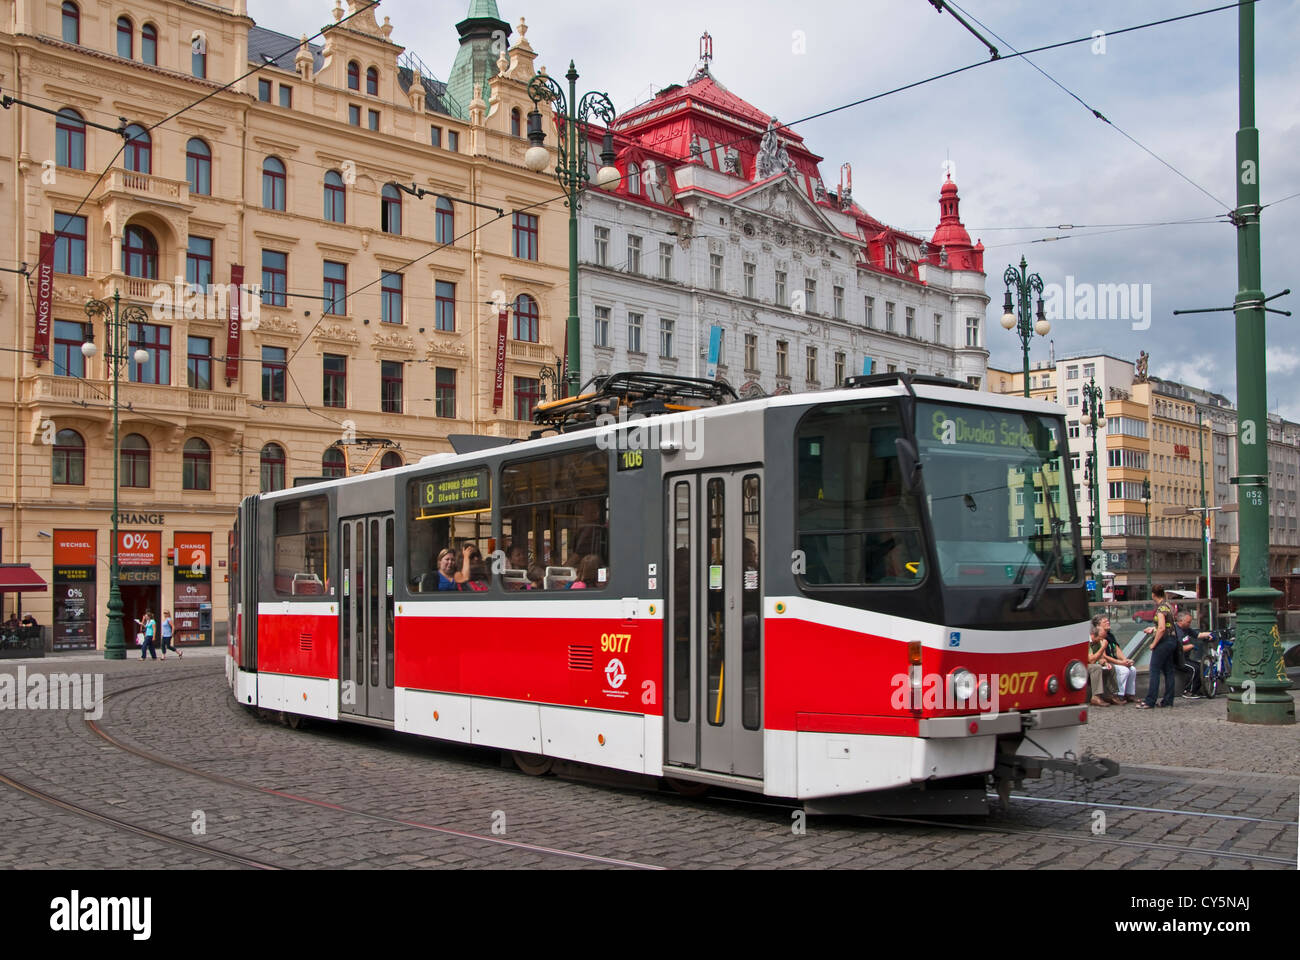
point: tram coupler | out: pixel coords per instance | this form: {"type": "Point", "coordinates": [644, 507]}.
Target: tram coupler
{"type": "Point", "coordinates": [1013, 767]}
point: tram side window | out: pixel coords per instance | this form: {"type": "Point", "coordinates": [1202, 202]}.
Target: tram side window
{"type": "Point", "coordinates": [857, 523]}
{"type": "Point", "coordinates": [449, 532]}
{"type": "Point", "coordinates": [555, 522]}
{"type": "Point", "coordinates": [302, 548]}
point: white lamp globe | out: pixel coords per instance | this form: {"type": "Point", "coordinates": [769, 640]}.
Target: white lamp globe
{"type": "Point", "coordinates": [607, 178]}
{"type": "Point", "coordinates": [1008, 320]}
{"type": "Point", "coordinates": [141, 356]}
{"type": "Point", "coordinates": [1042, 328]}
{"type": "Point", "coordinates": [88, 349]}
{"type": "Point", "coordinates": [537, 159]}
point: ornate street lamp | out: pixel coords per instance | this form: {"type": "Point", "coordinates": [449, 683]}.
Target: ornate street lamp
{"type": "Point", "coordinates": [571, 171]}
{"type": "Point", "coordinates": [1025, 283]}
{"type": "Point", "coordinates": [116, 326]}
{"type": "Point", "coordinates": [1094, 416]}
{"type": "Point", "coordinates": [554, 376]}
{"type": "Point", "coordinates": [1146, 501]}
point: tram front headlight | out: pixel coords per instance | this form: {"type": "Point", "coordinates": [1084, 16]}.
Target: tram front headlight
{"type": "Point", "coordinates": [1077, 675]}
{"type": "Point", "coordinates": [1053, 684]}
{"type": "Point", "coordinates": [963, 684]}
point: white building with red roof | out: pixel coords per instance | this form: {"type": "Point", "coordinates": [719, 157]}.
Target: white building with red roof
{"type": "Point", "coordinates": [722, 253]}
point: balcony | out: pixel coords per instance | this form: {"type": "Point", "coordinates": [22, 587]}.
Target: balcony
{"type": "Point", "coordinates": [535, 352]}
{"type": "Point", "coordinates": [143, 186]}
{"type": "Point", "coordinates": [175, 402]}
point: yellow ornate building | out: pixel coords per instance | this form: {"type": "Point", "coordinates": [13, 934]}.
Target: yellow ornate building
{"type": "Point", "coordinates": [377, 314]}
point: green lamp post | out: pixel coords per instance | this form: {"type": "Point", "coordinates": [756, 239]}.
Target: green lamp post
{"type": "Point", "coordinates": [1146, 501]}
{"type": "Point", "coordinates": [1094, 416]}
{"type": "Point", "coordinates": [572, 172]}
{"type": "Point", "coordinates": [116, 327]}
{"type": "Point", "coordinates": [1025, 283]}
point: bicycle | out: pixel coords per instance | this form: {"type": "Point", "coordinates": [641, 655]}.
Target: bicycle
{"type": "Point", "coordinates": [1217, 665]}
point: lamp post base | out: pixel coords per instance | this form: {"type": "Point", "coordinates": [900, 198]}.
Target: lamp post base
{"type": "Point", "coordinates": [115, 639]}
{"type": "Point", "coordinates": [1258, 685]}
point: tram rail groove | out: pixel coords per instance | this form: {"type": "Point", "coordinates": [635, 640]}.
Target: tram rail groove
{"type": "Point", "coordinates": [1125, 806]}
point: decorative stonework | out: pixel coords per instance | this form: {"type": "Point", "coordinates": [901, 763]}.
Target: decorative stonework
{"type": "Point", "coordinates": [445, 347]}
{"type": "Point", "coordinates": [337, 333]}
{"type": "Point", "coordinates": [270, 323]}
{"type": "Point", "coordinates": [392, 341]}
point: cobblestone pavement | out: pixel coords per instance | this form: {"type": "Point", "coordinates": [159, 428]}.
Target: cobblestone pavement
{"type": "Point", "coordinates": [195, 721]}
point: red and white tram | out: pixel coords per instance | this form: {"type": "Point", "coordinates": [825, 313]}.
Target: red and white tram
{"type": "Point", "coordinates": [840, 596]}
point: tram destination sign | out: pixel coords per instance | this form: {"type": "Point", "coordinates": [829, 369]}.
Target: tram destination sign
{"type": "Point", "coordinates": [464, 491]}
{"type": "Point", "coordinates": [985, 429]}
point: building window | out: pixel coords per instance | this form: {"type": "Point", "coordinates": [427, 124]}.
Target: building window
{"type": "Point", "coordinates": [354, 115]}
{"type": "Point", "coordinates": [715, 271]}
{"type": "Point", "coordinates": [811, 372]}
{"type": "Point", "coordinates": [1089, 371]}
{"type": "Point", "coordinates": [273, 184]}
{"type": "Point", "coordinates": [198, 262]}
{"type": "Point", "coordinates": [336, 288]}
{"type": "Point", "coordinates": [602, 246]}
{"type": "Point", "coordinates": [435, 136]}
{"type": "Point", "coordinates": [666, 339]}
{"type": "Point", "coordinates": [780, 288]}
{"type": "Point", "coordinates": [333, 464]}
{"type": "Point", "coordinates": [871, 312]}
{"type": "Point", "coordinates": [272, 461]}
{"type": "Point", "coordinates": [275, 278]}
{"type": "Point", "coordinates": [286, 97]}
{"type": "Point", "coordinates": [665, 261]}
{"type": "Point", "coordinates": [372, 82]}
{"type": "Point", "coordinates": [453, 141]}
{"type": "Point", "coordinates": [390, 386]}
{"type": "Point", "coordinates": [196, 465]}
{"type": "Point", "coordinates": [938, 327]}
{"type": "Point", "coordinates": [198, 59]}
{"type": "Point", "coordinates": [69, 466]}
{"type": "Point", "coordinates": [972, 331]}
{"type": "Point", "coordinates": [354, 76]}
{"type": "Point", "coordinates": [140, 254]}
{"type": "Point", "coordinates": [810, 295]}
{"type": "Point", "coordinates": [274, 374]}
{"type": "Point", "coordinates": [336, 198]}
{"type": "Point", "coordinates": [837, 302]}
{"type": "Point", "coordinates": [515, 127]}
{"type": "Point", "coordinates": [782, 358]}
{"type": "Point", "coordinates": [134, 462]}
{"type": "Point", "coordinates": [444, 397]}
{"type": "Point", "coordinates": [335, 375]}
{"type": "Point", "coordinates": [526, 319]}
{"type": "Point", "coordinates": [390, 210]}
{"type": "Point", "coordinates": [198, 167]}
{"type": "Point", "coordinates": [125, 36]}
{"type": "Point", "coordinates": [1072, 429]}
{"type": "Point", "coordinates": [525, 236]}
{"type": "Point", "coordinates": [633, 253]}
{"type": "Point", "coordinates": [634, 321]}
{"type": "Point", "coordinates": [751, 351]}
{"type": "Point", "coordinates": [633, 179]}
{"type": "Point", "coordinates": [264, 91]}
{"type": "Point", "coordinates": [138, 155]}
{"type": "Point", "coordinates": [71, 23]}
{"type": "Point", "coordinates": [1072, 398]}
{"type": "Point", "coordinates": [749, 270]}
{"type": "Point", "coordinates": [390, 461]}
{"type": "Point", "coordinates": [528, 393]}
{"type": "Point", "coordinates": [444, 221]}
{"type": "Point", "coordinates": [69, 244]}
{"type": "Point", "coordinates": [149, 44]}
{"type": "Point", "coordinates": [601, 333]}
{"type": "Point", "coordinates": [70, 139]}
{"type": "Point", "coordinates": [198, 363]}
{"type": "Point", "coordinates": [909, 320]}
{"type": "Point", "coordinates": [839, 368]}
{"type": "Point", "coordinates": [444, 318]}
{"type": "Point", "coordinates": [69, 361]}
{"type": "Point", "coordinates": [390, 297]}
{"type": "Point", "coordinates": [372, 119]}
{"type": "Point", "coordinates": [889, 317]}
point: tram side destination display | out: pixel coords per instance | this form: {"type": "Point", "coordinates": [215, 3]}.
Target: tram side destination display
{"type": "Point", "coordinates": [74, 589]}
{"type": "Point", "coordinates": [466, 491]}
{"type": "Point", "coordinates": [192, 586]}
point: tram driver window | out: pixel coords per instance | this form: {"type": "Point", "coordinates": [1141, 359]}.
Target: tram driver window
{"type": "Point", "coordinates": [858, 524]}
{"type": "Point", "coordinates": [555, 522]}
{"type": "Point", "coordinates": [449, 532]}
{"type": "Point", "coordinates": [302, 548]}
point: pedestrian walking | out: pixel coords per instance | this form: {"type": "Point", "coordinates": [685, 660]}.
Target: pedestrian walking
{"type": "Point", "coordinates": [167, 631]}
{"type": "Point", "coordinates": [1164, 647]}
{"type": "Point", "coordinates": [147, 630]}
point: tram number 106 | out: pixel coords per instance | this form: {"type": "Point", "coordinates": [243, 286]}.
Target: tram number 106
{"type": "Point", "coordinates": [615, 642]}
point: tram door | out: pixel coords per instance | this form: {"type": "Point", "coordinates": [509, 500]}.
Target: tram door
{"type": "Point", "coordinates": [714, 675]}
{"type": "Point", "coordinates": [366, 617]}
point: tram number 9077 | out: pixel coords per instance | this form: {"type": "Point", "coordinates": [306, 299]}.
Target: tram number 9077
{"type": "Point", "coordinates": [615, 642]}
{"type": "Point", "coordinates": [1012, 683]}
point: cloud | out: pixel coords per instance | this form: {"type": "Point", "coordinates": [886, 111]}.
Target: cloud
{"type": "Point", "coordinates": [1283, 361]}
{"type": "Point", "coordinates": [1198, 372]}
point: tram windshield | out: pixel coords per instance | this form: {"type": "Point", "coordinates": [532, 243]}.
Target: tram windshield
{"type": "Point", "coordinates": [998, 489]}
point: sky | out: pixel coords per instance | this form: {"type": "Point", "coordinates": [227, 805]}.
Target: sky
{"type": "Point", "coordinates": [1026, 155]}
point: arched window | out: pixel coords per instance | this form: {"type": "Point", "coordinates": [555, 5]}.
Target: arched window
{"type": "Point", "coordinates": [196, 470]}
{"type": "Point", "coordinates": [71, 22]}
{"type": "Point", "coordinates": [444, 221]}
{"type": "Point", "coordinates": [514, 123]}
{"type": "Point", "coordinates": [199, 56]}
{"type": "Point", "coordinates": [273, 184]}
{"type": "Point", "coordinates": [332, 464]}
{"type": "Point", "coordinates": [125, 35]}
{"type": "Point", "coordinates": [354, 75]}
{"type": "Point", "coordinates": [390, 460]}
{"type": "Point", "coordinates": [140, 254]}
{"type": "Point", "coordinates": [135, 461]}
{"type": "Point", "coordinates": [69, 458]}
{"type": "Point", "coordinates": [138, 157]}
{"type": "Point", "coordinates": [149, 44]}
{"type": "Point", "coordinates": [390, 210]}
{"type": "Point", "coordinates": [372, 82]}
{"type": "Point", "coordinates": [272, 468]}
{"type": "Point", "coordinates": [198, 167]}
{"type": "Point", "coordinates": [336, 198]}
{"type": "Point", "coordinates": [633, 179]}
{"type": "Point", "coordinates": [526, 318]}
{"type": "Point", "coordinates": [70, 139]}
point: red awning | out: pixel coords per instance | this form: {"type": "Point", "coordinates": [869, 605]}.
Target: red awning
{"type": "Point", "coordinates": [19, 578]}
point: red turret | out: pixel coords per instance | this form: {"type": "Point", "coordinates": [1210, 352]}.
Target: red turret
{"type": "Point", "coordinates": [950, 246]}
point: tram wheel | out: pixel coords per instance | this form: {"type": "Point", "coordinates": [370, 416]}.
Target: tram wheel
{"type": "Point", "coordinates": [533, 764]}
{"type": "Point", "coordinates": [687, 788]}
